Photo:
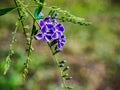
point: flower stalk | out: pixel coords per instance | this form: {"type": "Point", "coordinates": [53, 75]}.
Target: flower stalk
{"type": "Point", "coordinates": [11, 51]}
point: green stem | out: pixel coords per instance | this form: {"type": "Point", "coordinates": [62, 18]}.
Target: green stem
{"type": "Point", "coordinates": [57, 63]}
{"type": "Point", "coordinates": [28, 12]}
{"type": "Point", "coordinates": [11, 51]}
{"type": "Point", "coordinates": [28, 40]}
{"type": "Point", "coordinates": [31, 37]}
{"type": "Point", "coordinates": [18, 10]}
{"type": "Point", "coordinates": [29, 50]}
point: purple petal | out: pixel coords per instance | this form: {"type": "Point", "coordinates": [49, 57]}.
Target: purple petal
{"type": "Point", "coordinates": [63, 37]}
{"type": "Point", "coordinates": [43, 30]}
{"type": "Point", "coordinates": [60, 33]}
{"type": "Point", "coordinates": [55, 36]}
{"type": "Point", "coordinates": [39, 36]}
{"type": "Point", "coordinates": [62, 44]}
{"type": "Point", "coordinates": [55, 15]}
{"type": "Point", "coordinates": [41, 23]}
{"type": "Point", "coordinates": [47, 38]}
{"type": "Point", "coordinates": [50, 32]}
{"type": "Point", "coordinates": [54, 21]}
{"type": "Point", "coordinates": [60, 27]}
{"type": "Point", "coordinates": [63, 40]}
{"type": "Point", "coordinates": [47, 19]}
{"type": "Point", "coordinates": [59, 46]}
{"type": "Point", "coordinates": [49, 25]}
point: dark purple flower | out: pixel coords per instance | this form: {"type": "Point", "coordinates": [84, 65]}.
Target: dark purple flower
{"type": "Point", "coordinates": [58, 30]}
{"type": "Point", "coordinates": [45, 37]}
{"type": "Point", "coordinates": [55, 15]}
{"type": "Point", "coordinates": [52, 31]}
{"type": "Point", "coordinates": [59, 27]}
{"type": "Point", "coordinates": [54, 18]}
{"type": "Point", "coordinates": [47, 19]}
{"type": "Point", "coordinates": [61, 42]}
{"type": "Point", "coordinates": [46, 22]}
{"type": "Point", "coordinates": [46, 30]}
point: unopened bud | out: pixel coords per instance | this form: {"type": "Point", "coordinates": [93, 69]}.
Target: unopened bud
{"type": "Point", "coordinates": [66, 68]}
{"type": "Point", "coordinates": [66, 75]}
{"type": "Point", "coordinates": [61, 65]}
{"type": "Point", "coordinates": [68, 78]}
{"type": "Point", "coordinates": [64, 61]}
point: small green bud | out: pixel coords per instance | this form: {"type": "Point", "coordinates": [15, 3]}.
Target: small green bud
{"type": "Point", "coordinates": [64, 61]}
{"type": "Point", "coordinates": [61, 65]}
{"type": "Point", "coordinates": [25, 70]}
{"type": "Point", "coordinates": [66, 75]}
{"type": "Point", "coordinates": [66, 68]}
{"type": "Point", "coordinates": [68, 78]}
{"type": "Point", "coordinates": [69, 87]}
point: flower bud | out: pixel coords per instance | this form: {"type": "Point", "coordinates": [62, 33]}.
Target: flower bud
{"type": "Point", "coordinates": [66, 75]}
{"type": "Point", "coordinates": [61, 65]}
{"type": "Point", "coordinates": [66, 68]}
{"type": "Point", "coordinates": [64, 61]}
{"type": "Point", "coordinates": [68, 78]}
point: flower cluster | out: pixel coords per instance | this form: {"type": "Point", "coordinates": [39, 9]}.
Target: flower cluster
{"type": "Point", "coordinates": [51, 30]}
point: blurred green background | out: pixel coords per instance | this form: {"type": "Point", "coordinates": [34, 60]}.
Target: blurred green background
{"type": "Point", "coordinates": [93, 52]}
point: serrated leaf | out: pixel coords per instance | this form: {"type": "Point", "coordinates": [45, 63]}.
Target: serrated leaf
{"type": "Point", "coordinates": [6, 10]}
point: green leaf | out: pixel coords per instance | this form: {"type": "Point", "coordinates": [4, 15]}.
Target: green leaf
{"type": "Point", "coordinates": [6, 10]}
{"type": "Point", "coordinates": [38, 14]}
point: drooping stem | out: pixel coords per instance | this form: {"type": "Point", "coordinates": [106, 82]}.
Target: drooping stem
{"type": "Point", "coordinates": [11, 51]}
{"type": "Point", "coordinates": [57, 63]}
{"type": "Point", "coordinates": [20, 17]}
{"type": "Point", "coordinates": [31, 37]}
{"type": "Point", "coordinates": [29, 51]}
{"type": "Point", "coordinates": [28, 11]}
{"type": "Point", "coordinates": [28, 38]}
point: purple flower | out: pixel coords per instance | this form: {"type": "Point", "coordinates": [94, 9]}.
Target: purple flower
{"type": "Point", "coordinates": [51, 31]}
{"type": "Point", "coordinates": [61, 42]}
{"type": "Point", "coordinates": [45, 34]}
{"type": "Point", "coordinates": [55, 15]}
{"type": "Point", "coordinates": [54, 18]}
{"type": "Point", "coordinates": [46, 30]}
{"type": "Point", "coordinates": [46, 22]}
{"type": "Point", "coordinates": [58, 31]}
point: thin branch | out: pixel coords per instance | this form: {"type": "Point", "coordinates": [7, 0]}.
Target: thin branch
{"type": "Point", "coordinates": [18, 10]}
{"type": "Point", "coordinates": [57, 63]}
